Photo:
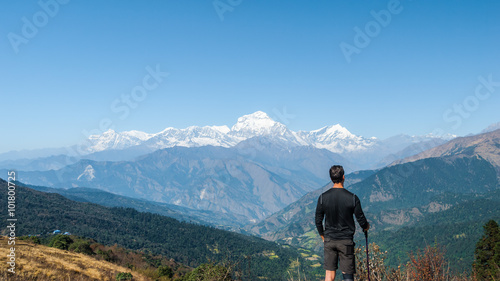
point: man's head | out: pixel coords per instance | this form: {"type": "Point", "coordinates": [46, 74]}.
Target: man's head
{"type": "Point", "coordinates": [337, 174]}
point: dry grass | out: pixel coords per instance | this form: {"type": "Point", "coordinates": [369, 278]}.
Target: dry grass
{"type": "Point", "coordinates": [38, 262]}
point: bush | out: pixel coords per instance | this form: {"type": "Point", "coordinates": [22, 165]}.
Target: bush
{"type": "Point", "coordinates": [165, 270]}
{"type": "Point", "coordinates": [378, 270]}
{"type": "Point", "coordinates": [81, 246]}
{"type": "Point", "coordinates": [61, 242]}
{"type": "Point", "coordinates": [124, 276]}
{"type": "Point", "coordinates": [106, 255]}
{"type": "Point", "coordinates": [33, 239]}
{"type": "Point", "coordinates": [429, 264]}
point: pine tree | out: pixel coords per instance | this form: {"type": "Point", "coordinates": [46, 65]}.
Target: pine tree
{"type": "Point", "coordinates": [487, 254]}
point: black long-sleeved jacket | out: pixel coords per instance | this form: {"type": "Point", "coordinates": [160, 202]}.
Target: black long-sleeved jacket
{"type": "Point", "coordinates": [337, 206]}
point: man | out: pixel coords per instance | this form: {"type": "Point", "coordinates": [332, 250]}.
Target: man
{"type": "Point", "coordinates": [337, 206]}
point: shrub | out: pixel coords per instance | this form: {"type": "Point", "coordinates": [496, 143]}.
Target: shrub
{"type": "Point", "coordinates": [33, 239]}
{"type": "Point", "coordinates": [165, 270]}
{"type": "Point", "coordinates": [61, 242]}
{"type": "Point", "coordinates": [378, 270]}
{"type": "Point", "coordinates": [124, 276]}
{"type": "Point", "coordinates": [106, 255]}
{"type": "Point", "coordinates": [81, 246]}
{"type": "Point", "coordinates": [428, 264]}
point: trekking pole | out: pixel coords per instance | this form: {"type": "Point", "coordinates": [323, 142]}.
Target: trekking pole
{"type": "Point", "coordinates": [367, 257]}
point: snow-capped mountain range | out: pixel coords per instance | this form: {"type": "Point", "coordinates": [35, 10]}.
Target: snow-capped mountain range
{"type": "Point", "coordinates": [334, 138]}
{"type": "Point", "coordinates": [248, 126]}
{"type": "Point", "coordinates": [362, 152]}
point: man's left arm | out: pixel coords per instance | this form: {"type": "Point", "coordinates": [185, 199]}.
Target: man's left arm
{"type": "Point", "coordinates": [360, 216]}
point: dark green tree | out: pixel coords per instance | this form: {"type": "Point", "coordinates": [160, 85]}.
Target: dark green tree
{"type": "Point", "coordinates": [33, 239]}
{"type": "Point", "coordinates": [165, 270]}
{"type": "Point", "coordinates": [81, 246]}
{"type": "Point", "coordinates": [124, 276]}
{"type": "Point", "coordinates": [487, 255]}
{"type": "Point", "coordinates": [61, 242]}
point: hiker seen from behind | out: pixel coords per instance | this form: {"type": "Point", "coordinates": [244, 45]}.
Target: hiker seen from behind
{"type": "Point", "coordinates": [337, 206]}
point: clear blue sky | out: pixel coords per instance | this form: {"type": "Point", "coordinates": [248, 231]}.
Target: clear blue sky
{"type": "Point", "coordinates": [63, 69]}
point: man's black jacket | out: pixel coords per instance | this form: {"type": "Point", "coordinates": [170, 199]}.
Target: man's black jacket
{"type": "Point", "coordinates": [338, 205]}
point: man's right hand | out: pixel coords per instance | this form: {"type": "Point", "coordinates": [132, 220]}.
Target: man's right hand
{"type": "Point", "coordinates": [366, 229]}
{"type": "Point", "coordinates": [323, 238]}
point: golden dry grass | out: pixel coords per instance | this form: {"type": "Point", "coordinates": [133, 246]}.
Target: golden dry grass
{"type": "Point", "coordinates": [38, 262]}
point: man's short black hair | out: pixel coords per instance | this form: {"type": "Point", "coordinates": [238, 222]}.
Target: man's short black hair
{"type": "Point", "coordinates": [337, 173]}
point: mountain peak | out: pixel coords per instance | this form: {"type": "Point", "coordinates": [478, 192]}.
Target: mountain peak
{"type": "Point", "coordinates": [491, 128]}
{"type": "Point", "coordinates": [108, 133]}
{"type": "Point", "coordinates": [255, 122]}
{"type": "Point", "coordinates": [258, 115]}
{"type": "Point", "coordinates": [335, 131]}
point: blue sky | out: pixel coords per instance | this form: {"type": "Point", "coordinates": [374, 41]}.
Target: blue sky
{"type": "Point", "coordinates": [64, 68]}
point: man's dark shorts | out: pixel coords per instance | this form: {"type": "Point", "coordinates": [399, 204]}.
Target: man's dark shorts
{"type": "Point", "coordinates": [340, 252]}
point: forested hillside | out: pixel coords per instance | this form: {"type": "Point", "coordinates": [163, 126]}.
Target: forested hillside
{"type": "Point", "coordinates": [187, 243]}
{"type": "Point", "coordinates": [456, 229]}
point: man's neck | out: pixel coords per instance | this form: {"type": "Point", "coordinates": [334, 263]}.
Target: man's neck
{"type": "Point", "coordinates": [338, 185]}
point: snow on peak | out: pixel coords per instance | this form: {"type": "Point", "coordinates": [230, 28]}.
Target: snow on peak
{"type": "Point", "coordinates": [138, 135]}
{"type": "Point", "coordinates": [88, 174]}
{"type": "Point", "coordinates": [429, 136]}
{"type": "Point", "coordinates": [257, 124]}
{"type": "Point", "coordinates": [336, 131]}
{"type": "Point", "coordinates": [113, 140]}
{"type": "Point", "coordinates": [223, 129]}
{"type": "Point", "coordinates": [337, 139]}
{"type": "Point", "coordinates": [109, 133]}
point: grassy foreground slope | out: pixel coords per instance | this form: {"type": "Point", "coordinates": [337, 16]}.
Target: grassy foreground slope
{"type": "Point", "coordinates": [39, 262]}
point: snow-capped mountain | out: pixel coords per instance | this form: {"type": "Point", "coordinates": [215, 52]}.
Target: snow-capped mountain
{"type": "Point", "coordinates": [337, 139]}
{"type": "Point", "coordinates": [193, 136]}
{"type": "Point", "coordinates": [113, 140]}
{"type": "Point", "coordinates": [260, 124]}
{"type": "Point", "coordinates": [334, 138]}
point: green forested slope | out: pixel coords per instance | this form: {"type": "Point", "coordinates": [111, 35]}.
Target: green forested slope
{"type": "Point", "coordinates": [457, 229]}
{"type": "Point", "coordinates": [190, 244]}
